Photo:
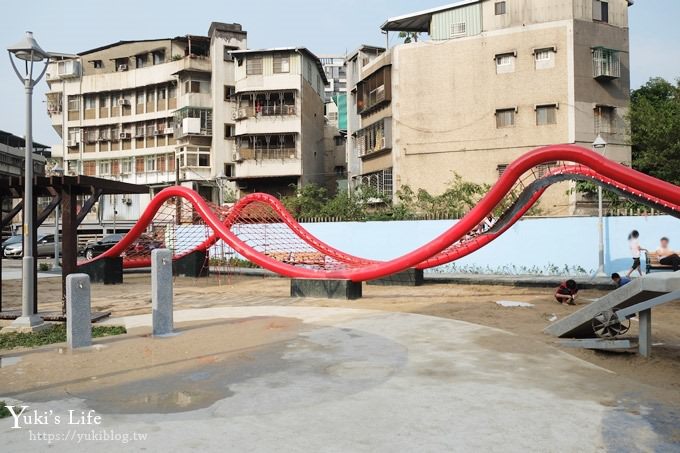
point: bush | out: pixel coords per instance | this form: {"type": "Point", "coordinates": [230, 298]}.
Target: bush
{"type": "Point", "coordinates": [53, 334]}
{"type": "Point", "coordinates": [4, 412]}
{"type": "Point", "coordinates": [43, 267]}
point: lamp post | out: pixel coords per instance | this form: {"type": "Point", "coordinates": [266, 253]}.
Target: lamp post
{"type": "Point", "coordinates": [57, 171]}
{"type": "Point", "coordinates": [600, 145]}
{"type": "Point", "coordinates": [28, 51]}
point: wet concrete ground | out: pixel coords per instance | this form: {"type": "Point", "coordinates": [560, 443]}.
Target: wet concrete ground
{"type": "Point", "coordinates": [290, 378]}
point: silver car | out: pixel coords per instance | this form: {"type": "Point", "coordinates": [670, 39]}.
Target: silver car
{"type": "Point", "coordinates": [45, 247]}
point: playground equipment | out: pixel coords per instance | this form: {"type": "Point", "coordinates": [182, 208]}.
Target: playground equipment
{"type": "Point", "coordinates": [259, 229]}
{"type": "Point", "coordinates": [601, 324]}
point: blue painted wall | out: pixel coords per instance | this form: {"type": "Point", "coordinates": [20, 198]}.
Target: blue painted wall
{"type": "Point", "coordinates": [544, 244]}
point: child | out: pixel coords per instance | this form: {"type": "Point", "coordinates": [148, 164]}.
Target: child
{"type": "Point", "coordinates": [619, 281]}
{"type": "Point", "coordinates": [566, 293]}
{"type": "Point", "coordinates": [635, 249]}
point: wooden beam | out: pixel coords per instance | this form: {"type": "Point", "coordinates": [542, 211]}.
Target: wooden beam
{"type": "Point", "coordinates": [87, 206]}
{"type": "Point", "coordinates": [7, 218]}
{"type": "Point", "coordinates": [48, 210]}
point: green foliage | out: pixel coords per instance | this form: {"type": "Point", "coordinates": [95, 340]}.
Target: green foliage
{"type": "Point", "coordinates": [654, 120]}
{"type": "Point", "coordinates": [50, 335]}
{"type": "Point", "coordinates": [233, 262]}
{"type": "Point", "coordinates": [43, 267]}
{"type": "Point", "coordinates": [409, 36]}
{"type": "Point", "coordinates": [4, 412]}
{"type": "Point", "coordinates": [365, 203]}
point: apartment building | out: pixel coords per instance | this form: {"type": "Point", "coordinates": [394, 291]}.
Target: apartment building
{"type": "Point", "coordinates": [490, 81]}
{"type": "Point", "coordinates": [146, 112]}
{"type": "Point", "coordinates": [279, 121]}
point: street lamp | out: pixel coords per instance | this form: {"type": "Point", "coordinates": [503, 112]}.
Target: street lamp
{"type": "Point", "coordinates": [600, 145]}
{"type": "Point", "coordinates": [28, 51]}
{"type": "Point", "coordinates": [57, 170]}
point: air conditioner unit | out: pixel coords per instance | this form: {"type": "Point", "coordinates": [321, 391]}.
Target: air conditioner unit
{"type": "Point", "coordinates": [122, 102]}
{"type": "Point", "coordinates": [124, 135]}
{"type": "Point", "coordinates": [122, 67]}
{"type": "Point", "coordinates": [68, 69]}
{"type": "Point", "coordinates": [72, 143]}
{"type": "Point", "coordinates": [157, 132]}
{"type": "Point", "coordinates": [169, 130]}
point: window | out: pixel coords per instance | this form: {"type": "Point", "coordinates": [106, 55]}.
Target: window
{"type": "Point", "coordinates": [97, 64]}
{"type": "Point", "coordinates": [172, 91]}
{"type": "Point", "coordinates": [229, 92]}
{"type": "Point", "coordinates": [192, 86]}
{"type": "Point", "coordinates": [505, 63]}
{"type": "Point", "coordinates": [104, 100]}
{"type": "Point", "coordinates": [505, 118]}
{"type": "Point", "coordinates": [139, 96]}
{"type": "Point", "coordinates": [89, 168]}
{"type": "Point", "coordinates": [73, 103]}
{"type": "Point", "coordinates": [140, 60]}
{"type": "Point", "coordinates": [543, 54]}
{"type": "Point", "coordinates": [458, 29]}
{"type": "Point", "coordinates": [121, 64]}
{"type": "Point", "coordinates": [90, 102]}
{"type": "Point", "coordinates": [601, 10]}
{"type": "Point", "coordinates": [162, 94]}
{"type": "Point", "coordinates": [374, 138]}
{"type": "Point", "coordinates": [139, 165]}
{"type": "Point", "coordinates": [604, 119]}
{"type": "Point", "coordinates": [126, 166]}
{"type": "Point", "coordinates": [546, 114]}
{"type": "Point", "coordinates": [281, 64]}
{"type": "Point", "coordinates": [499, 8]}
{"type": "Point", "coordinates": [159, 56]}
{"type": "Point", "coordinates": [500, 168]}
{"type": "Point", "coordinates": [606, 63]}
{"type": "Point", "coordinates": [254, 65]}
{"type": "Point", "coordinates": [228, 131]}
{"type": "Point", "coordinates": [150, 163]}
{"type": "Point", "coordinates": [309, 71]}
{"type": "Point", "coordinates": [105, 167]}
{"type": "Point", "coordinates": [73, 137]}
{"type": "Point", "coordinates": [381, 181]}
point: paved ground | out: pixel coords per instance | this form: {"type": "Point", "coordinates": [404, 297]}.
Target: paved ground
{"type": "Point", "coordinates": [328, 379]}
{"type": "Point", "coordinates": [254, 370]}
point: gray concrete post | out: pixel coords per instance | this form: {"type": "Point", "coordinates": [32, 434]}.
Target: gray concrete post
{"type": "Point", "coordinates": [78, 316]}
{"type": "Point", "coordinates": [645, 340]}
{"type": "Point", "coordinates": [161, 291]}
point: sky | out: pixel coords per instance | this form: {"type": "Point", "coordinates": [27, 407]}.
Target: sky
{"type": "Point", "coordinates": [71, 26]}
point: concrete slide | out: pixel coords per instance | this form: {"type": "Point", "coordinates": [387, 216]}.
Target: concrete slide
{"type": "Point", "coordinates": [579, 324]}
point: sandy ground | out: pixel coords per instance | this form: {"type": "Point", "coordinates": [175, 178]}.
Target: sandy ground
{"type": "Point", "coordinates": [476, 304]}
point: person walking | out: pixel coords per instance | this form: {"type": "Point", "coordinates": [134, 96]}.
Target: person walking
{"type": "Point", "coordinates": [635, 250]}
{"type": "Point", "coordinates": [668, 257]}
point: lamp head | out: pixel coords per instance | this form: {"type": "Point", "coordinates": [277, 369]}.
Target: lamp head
{"type": "Point", "coordinates": [28, 49]}
{"type": "Point", "coordinates": [599, 142]}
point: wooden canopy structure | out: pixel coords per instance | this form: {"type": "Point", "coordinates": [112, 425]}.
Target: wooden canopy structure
{"type": "Point", "coordinates": [63, 191]}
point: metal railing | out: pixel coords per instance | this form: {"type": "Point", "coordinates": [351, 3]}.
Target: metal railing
{"type": "Point", "coordinates": [267, 154]}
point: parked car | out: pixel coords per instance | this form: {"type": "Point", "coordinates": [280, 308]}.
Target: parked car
{"type": "Point", "coordinates": [9, 241]}
{"type": "Point", "coordinates": [95, 248]}
{"type": "Point", "coordinates": [143, 245]}
{"type": "Point", "coordinates": [45, 247]}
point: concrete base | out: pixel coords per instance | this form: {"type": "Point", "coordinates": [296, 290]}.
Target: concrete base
{"type": "Point", "coordinates": [26, 324]}
{"type": "Point", "coordinates": [108, 271]}
{"type": "Point", "coordinates": [409, 277]}
{"type": "Point", "coordinates": [192, 265]}
{"type": "Point", "coordinates": [327, 289]}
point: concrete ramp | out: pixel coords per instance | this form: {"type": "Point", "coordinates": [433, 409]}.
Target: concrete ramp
{"type": "Point", "coordinates": [578, 324]}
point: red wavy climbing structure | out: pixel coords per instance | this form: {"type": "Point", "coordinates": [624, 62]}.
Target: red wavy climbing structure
{"type": "Point", "coordinates": [259, 229]}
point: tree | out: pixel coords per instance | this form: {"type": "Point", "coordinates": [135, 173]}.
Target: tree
{"type": "Point", "coordinates": [654, 122]}
{"type": "Point", "coordinates": [409, 36]}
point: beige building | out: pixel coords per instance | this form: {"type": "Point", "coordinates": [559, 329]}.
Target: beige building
{"type": "Point", "coordinates": [493, 80]}
{"type": "Point", "coordinates": [146, 112]}
{"type": "Point", "coordinates": [279, 121]}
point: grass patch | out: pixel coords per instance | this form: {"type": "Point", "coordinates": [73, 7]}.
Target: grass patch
{"type": "Point", "coordinates": [54, 334]}
{"type": "Point", "coordinates": [4, 412]}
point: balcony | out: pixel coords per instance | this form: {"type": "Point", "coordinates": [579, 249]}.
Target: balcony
{"type": "Point", "coordinates": [374, 139]}
{"type": "Point", "coordinates": [266, 154]}
{"type": "Point", "coordinates": [243, 113]}
{"type": "Point", "coordinates": [606, 64]}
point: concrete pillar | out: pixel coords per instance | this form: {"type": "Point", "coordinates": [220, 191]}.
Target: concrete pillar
{"type": "Point", "coordinates": [78, 315]}
{"type": "Point", "coordinates": [645, 341]}
{"type": "Point", "coordinates": [161, 291]}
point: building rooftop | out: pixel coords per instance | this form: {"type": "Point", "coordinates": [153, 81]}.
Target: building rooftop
{"type": "Point", "coordinates": [9, 139]}
{"type": "Point", "coordinates": [420, 21]}
{"type": "Point", "coordinates": [298, 49]}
